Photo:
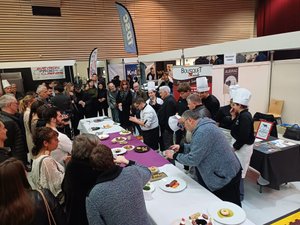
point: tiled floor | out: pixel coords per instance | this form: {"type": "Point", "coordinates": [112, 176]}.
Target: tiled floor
{"type": "Point", "coordinates": [270, 204]}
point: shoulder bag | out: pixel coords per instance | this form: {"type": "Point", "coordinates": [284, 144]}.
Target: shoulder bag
{"type": "Point", "coordinates": [49, 213]}
{"type": "Point", "coordinates": [292, 132]}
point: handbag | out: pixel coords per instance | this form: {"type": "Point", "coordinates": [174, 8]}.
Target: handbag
{"type": "Point", "coordinates": [292, 132]}
{"type": "Point", "coordinates": [49, 213]}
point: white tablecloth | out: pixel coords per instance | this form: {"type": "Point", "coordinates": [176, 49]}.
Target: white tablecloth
{"type": "Point", "coordinates": [167, 208]}
{"type": "Point", "coordinates": [163, 207]}
{"type": "Point", "coordinates": [85, 125]}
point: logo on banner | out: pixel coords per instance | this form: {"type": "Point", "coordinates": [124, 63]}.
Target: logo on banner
{"type": "Point", "coordinates": [127, 29]}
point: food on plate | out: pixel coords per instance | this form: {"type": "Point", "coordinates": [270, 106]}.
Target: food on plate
{"type": "Point", "coordinates": [182, 222]}
{"type": "Point", "coordinates": [173, 184]}
{"type": "Point", "coordinates": [95, 128]}
{"type": "Point", "coordinates": [225, 213]}
{"type": "Point", "coordinates": [125, 132]}
{"type": "Point", "coordinates": [199, 222]}
{"type": "Point", "coordinates": [123, 142]}
{"type": "Point", "coordinates": [153, 169]}
{"type": "Point", "coordinates": [128, 147]}
{"type": "Point", "coordinates": [120, 139]}
{"type": "Point", "coordinates": [114, 141]}
{"type": "Point", "coordinates": [118, 150]}
{"type": "Point", "coordinates": [195, 216]}
{"type": "Point", "coordinates": [147, 187]}
{"type": "Point", "coordinates": [107, 126]}
{"type": "Point", "coordinates": [158, 176]}
{"type": "Point", "coordinates": [198, 218]}
{"type": "Point", "coordinates": [142, 148]}
{"type": "Point", "coordinates": [205, 216]}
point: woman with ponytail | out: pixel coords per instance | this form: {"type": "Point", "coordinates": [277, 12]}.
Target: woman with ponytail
{"type": "Point", "coordinates": [46, 172]}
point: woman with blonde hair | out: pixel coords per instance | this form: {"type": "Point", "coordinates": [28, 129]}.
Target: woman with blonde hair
{"type": "Point", "coordinates": [19, 204]}
{"type": "Point", "coordinates": [24, 108]}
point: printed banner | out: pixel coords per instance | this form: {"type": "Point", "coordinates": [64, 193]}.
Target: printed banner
{"type": "Point", "coordinates": [131, 70]}
{"type": "Point", "coordinates": [188, 72]}
{"type": "Point", "coordinates": [48, 72]}
{"type": "Point", "coordinates": [127, 29]}
{"type": "Point", "coordinates": [231, 77]}
{"type": "Point", "coordinates": [93, 62]}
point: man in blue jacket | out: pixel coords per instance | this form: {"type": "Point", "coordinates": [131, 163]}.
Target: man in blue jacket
{"type": "Point", "coordinates": [209, 151]}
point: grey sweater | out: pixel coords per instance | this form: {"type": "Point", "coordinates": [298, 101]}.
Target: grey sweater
{"type": "Point", "coordinates": [211, 153]}
{"type": "Point", "coordinates": [121, 200]}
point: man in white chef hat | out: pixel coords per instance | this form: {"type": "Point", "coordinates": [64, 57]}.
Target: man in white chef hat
{"type": "Point", "coordinates": [223, 117]}
{"type": "Point", "coordinates": [6, 87]}
{"type": "Point", "coordinates": [210, 101]}
{"type": "Point", "coordinates": [242, 130]}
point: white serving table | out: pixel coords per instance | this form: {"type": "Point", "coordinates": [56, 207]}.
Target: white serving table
{"type": "Point", "coordinates": [85, 125]}
{"type": "Point", "coordinates": [167, 208]}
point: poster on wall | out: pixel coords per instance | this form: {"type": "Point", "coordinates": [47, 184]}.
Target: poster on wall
{"type": "Point", "coordinates": [231, 77]}
{"type": "Point", "coordinates": [190, 74]}
{"type": "Point", "coordinates": [163, 66]}
{"type": "Point", "coordinates": [48, 72]}
{"type": "Point", "coordinates": [131, 70]}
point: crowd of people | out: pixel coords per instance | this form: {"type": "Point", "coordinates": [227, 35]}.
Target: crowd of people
{"type": "Point", "coordinates": [72, 175]}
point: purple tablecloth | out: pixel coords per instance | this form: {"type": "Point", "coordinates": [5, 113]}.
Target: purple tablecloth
{"type": "Point", "coordinates": [150, 158]}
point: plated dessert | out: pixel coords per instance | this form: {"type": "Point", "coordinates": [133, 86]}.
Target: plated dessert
{"type": "Point", "coordinates": [129, 147]}
{"type": "Point", "coordinates": [195, 219]}
{"type": "Point", "coordinates": [107, 126]}
{"type": "Point", "coordinates": [118, 139]}
{"type": "Point", "coordinates": [118, 151]}
{"type": "Point", "coordinates": [141, 149]}
{"type": "Point", "coordinates": [125, 132]}
{"type": "Point", "coordinates": [153, 169]}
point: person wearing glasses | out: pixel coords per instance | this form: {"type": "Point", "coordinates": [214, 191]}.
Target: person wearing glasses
{"type": "Point", "coordinates": [15, 137]}
{"type": "Point", "coordinates": [217, 167]}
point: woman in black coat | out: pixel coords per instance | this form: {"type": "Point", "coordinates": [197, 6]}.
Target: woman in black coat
{"type": "Point", "coordinates": [102, 100]}
{"type": "Point", "coordinates": [19, 204]}
{"type": "Point", "coordinates": [124, 101]}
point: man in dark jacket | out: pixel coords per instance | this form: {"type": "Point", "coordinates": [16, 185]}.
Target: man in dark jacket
{"type": "Point", "coordinates": [60, 100]}
{"type": "Point", "coordinates": [15, 138]}
{"type": "Point", "coordinates": [167, 109]}
{"type": "Point", "coordinates": [210, 101]}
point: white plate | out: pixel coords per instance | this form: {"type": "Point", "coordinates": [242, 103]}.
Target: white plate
{"type": "Point", "coordinates": [129, 149]}
{"type": "Point", "coordinates": [122, 151]}
{"type": "Point", "coordinates": [167, 180]}
{"type": "Point", "coordinates": [115, 139]}
{"type": "Point", "coordinates": [125, 133]}
{"type": "Point", "coordinates": [103, 136]}
{"type": "Point", "coordinates": [238, 217]}
{"type": "Point", "coordinates": [107, 126]}
{"type": "Point", "coordinates": [152, 187]}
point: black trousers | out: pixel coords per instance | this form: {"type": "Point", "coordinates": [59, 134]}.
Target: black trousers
{"type": "Point", "coordinates": [151, 137]}
{"type": "Point", "coordinates": [230, 192]}
{"type": "Point", "coordinates": [166, 139]}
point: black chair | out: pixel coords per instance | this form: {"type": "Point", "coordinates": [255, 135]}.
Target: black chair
{"type": "Point", "coordinates": [270, 118]}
